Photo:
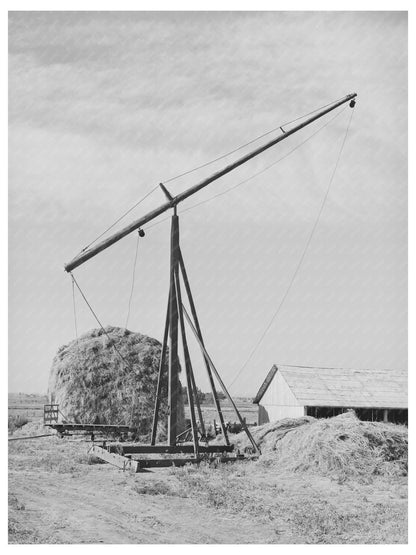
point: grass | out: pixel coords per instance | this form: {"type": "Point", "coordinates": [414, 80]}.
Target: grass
{"type": "Point", "coordinates": [312, 502]}
{"type": "Point", "coordinates": [157, 487]}
{"type": "Point", "coordinates": [15, 422]}
{"type": "Point", "coordinates": [63, 457]}
{"type": "Point", "coordinates": [315, 509]}
{"type": "Point", "coordinates": [328, 481]}
{"type": "Point", "coordinates": [18, 534]}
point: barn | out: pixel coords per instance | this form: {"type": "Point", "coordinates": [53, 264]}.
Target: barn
{"type": "Point", "coordinates": [292, 391]}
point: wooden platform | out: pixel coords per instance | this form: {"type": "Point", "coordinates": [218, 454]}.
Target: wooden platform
{"type": "Point", "coordinates": [124, 459]}
{"type": "Point", "coordinates": [130, 449]}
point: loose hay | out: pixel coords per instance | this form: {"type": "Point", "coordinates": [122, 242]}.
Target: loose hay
{"type": "Point", "coordinates": [340, 446]}
{"type": "Point", "coordinates": [93, 385]}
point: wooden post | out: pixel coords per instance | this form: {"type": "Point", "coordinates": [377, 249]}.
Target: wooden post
{"type": "Point", "coordinates": [159, 379]}
{"type": "Point", "coordinates": [225, 390]}
{"type": "Point", "coordinates": [198, 407]}
{"type": "Point", "coordinates": [198, 330]}
{"type": "Point", "coordinates": [385, 415]}
{"type": "Point", "coordinates": [173, 385]}
{"type": "Point", "coordinates": [188, 366]}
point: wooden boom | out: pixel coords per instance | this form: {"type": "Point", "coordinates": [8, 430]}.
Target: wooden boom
{"type": "Point", "coordinates": [104, 244]}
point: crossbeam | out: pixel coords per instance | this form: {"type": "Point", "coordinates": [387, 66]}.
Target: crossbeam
{"type": "Point", "coordinates": [105, 243]}
{"type": "Point", "coordinates": [165, 463]}
{"type": "Point", "coordinates": [124, 449]}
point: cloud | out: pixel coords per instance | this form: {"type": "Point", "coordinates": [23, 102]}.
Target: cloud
{"type": "Point", "coordinates": [102, 106]}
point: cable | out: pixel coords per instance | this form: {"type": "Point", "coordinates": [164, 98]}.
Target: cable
{"type": "Point", "coordinates": [120, 218]}
{"type": "Point", "coordinates": [169, 180]}
{"type": "Point", "coordinates": [132, 281]}
{"type": "Point", "coordinates": [249, 143]}
{"type": "Point", "coordinates": [308, 242]}
{"type": "Point", "coordinates": [75, 319]}
{"type": "Point", "coordinates": [99, 323]}
{"type": "Point", "coordinates": [108, 336]}
{"type": "Point", "coordinates": [74, 308]}
{"type": "Point", "coordinates": [255, 174]}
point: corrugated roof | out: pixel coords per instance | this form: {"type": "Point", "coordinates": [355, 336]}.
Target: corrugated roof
{"type": "Point", "coordinates": [344, 387]}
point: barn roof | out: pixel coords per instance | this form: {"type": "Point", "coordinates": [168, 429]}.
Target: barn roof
{"type": "Point", "coordinates": [342, 387]}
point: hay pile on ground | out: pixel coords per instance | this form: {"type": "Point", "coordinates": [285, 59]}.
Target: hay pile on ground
{"type": "Point", "coordinates": [32, 428]}
{"type": "Point", "coordinates": [341, 446]}
{"type": "Point", "coordinates": [93, 385]}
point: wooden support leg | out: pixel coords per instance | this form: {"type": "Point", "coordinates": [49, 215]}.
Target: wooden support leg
{"type": "Point", "coordinates": [243, 424]}
{"type": "Point", "coordinates": [198, 407]}
{"type": "Point", "coordinates": [173, 335]}
{"type": "Point", "coordinates": [207, 365]}
{"type": "Point", "coordinates": [159, 379]}
{"type": "Point", "coordinates": [188, 366]}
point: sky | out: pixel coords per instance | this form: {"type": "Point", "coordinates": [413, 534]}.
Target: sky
{"type": "Point", "coordinates": [105, 105]}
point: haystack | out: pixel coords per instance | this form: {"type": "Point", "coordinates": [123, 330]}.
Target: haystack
{"type": "Point", "coordinates": [339, 446]}
{"type": "Point", "coordinates": [92, 384]}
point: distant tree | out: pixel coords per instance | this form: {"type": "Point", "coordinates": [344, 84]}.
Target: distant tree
{"type": "Point", "coordinates": [209, 398]}
{"type": "Point", "coordinates": [200, 394]}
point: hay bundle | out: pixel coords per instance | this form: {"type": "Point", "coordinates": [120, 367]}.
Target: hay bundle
{"type": "Point", "coordinates": [92, 384]}
{"type": "Point", "coordinates": [341, 446]}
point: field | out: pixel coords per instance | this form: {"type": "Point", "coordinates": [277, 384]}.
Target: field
{"type": "Point", "coordinates": [58, 494]}
{"type": "Point", "coordinates": [26, 405]}
{"type": "Point", "coordinates": [245, 407]}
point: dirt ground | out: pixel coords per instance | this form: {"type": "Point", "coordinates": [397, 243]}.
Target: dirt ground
{"type": "Point", "coordinates": [57, 496]}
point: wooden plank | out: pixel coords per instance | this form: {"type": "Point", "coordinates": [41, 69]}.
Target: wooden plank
{"type": "Point", "coordinates": [188, 364]}
{"type": "Point", "coordinates": [144, 449]}
{"type": "Point", "coordinates": [163, 463]}
{"type": "Point", "coordinates": [265, 385]}
{"type": "Point", "coordinates": [198, 329]}
{"type": "Point", "coordinates": [115, 459]}
{"type": "Point", "coordinates": [225, 390]}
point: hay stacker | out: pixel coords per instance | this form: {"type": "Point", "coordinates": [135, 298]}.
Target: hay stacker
{"type": "Point", "coordinates": [135, 456]}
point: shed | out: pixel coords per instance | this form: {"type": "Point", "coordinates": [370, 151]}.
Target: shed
{"type": "Point", "coordinates": [293, 391]}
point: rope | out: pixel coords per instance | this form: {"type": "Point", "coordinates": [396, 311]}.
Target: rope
{"type": "Point", "coordinates": [308, 242]}
{"type": "Point", "coordinates": [126, 362]}
{"type": "Point", "coordinates": [255, 174]}
{"type": "Point", "coordinates": [248, 143]}
{"type": "Point", "coordinates": [75, 320]}
{"type": "Point", "coordinates": [132, 281]}
{"type": "Point", "coordinates": [120, 218]}
{"type": "Point", "coordinates": [74, 309]}
{"type": "Point", "coordinates": [99, 323]}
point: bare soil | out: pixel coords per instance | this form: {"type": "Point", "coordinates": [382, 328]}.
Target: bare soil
{"type": "Point", "coordinates": [57, 496]}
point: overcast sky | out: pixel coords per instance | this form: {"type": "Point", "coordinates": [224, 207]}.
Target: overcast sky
{"type": "Point", "coordinates": [103, 106]}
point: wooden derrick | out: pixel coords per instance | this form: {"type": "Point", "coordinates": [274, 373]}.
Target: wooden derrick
{"type": "Point", "coordinates": [176, 318]}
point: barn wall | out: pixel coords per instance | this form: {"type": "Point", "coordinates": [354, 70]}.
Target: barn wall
{"type": "Point", "coordinates": [278, 402]}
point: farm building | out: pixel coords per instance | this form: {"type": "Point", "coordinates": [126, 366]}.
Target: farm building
{"type": "Point", "coordinates": [292, 391]}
